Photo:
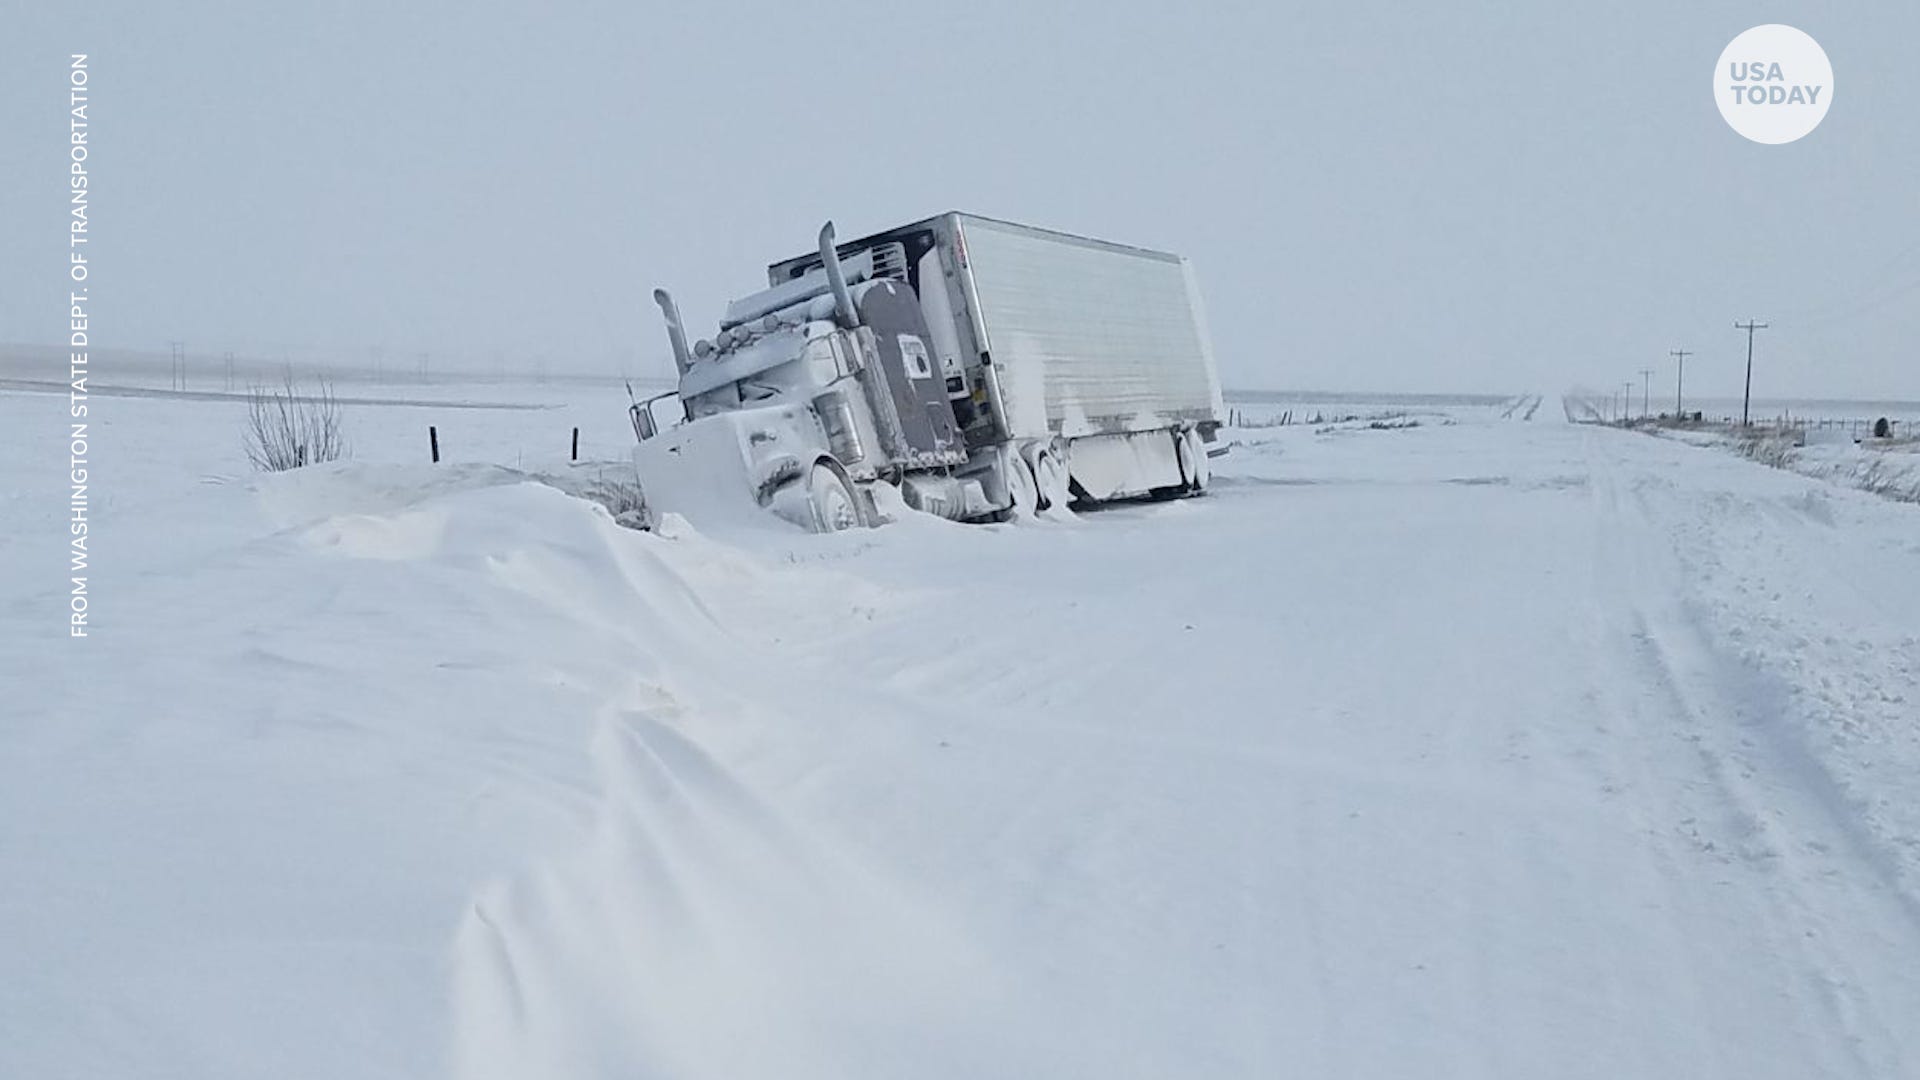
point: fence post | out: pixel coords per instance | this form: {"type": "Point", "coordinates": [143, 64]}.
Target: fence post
{"type": "Point", "coordinates": [576, 445]}
{"type": "Point", "coordinates": [433, 440]}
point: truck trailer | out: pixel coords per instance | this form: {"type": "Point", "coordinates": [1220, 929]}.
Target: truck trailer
{"type": "Point", "coordinates": [985, 370]}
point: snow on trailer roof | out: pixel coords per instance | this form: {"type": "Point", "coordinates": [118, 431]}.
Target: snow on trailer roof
{"type": "Point", "coordinates": [1090, 241]}
{"type": "Point", "coordinates": [785, 267]}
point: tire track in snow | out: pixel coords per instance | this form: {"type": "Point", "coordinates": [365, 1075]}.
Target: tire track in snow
{"type": "Point", "coordinates": [1783, 716]}
{"type": "Point", "coordinates": [1774, 804]}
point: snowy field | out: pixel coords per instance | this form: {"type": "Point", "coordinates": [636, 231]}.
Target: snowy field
{"type": "Point", "coordinates": [1273, 408]}
{"type": "Point", "coordinates": [1773, 410]}
{"type": "Point", "coordinates": [1831, 441]}
{"type": "Point", "coordinates": [1888, 467]}
{"type": "Point", "coordinates": [1482, 747]}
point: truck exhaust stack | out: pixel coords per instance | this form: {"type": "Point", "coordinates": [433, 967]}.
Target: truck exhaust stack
{"type": "Point", "coordinates": [837, 281]}
{"type": "Point", "coordinates": [678, 336]}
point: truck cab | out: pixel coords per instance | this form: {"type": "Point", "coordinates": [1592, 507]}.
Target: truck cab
{"type": "Point", "coordinates": [984, 369]}
{"type": "Point", "coordinates": [812, 390]}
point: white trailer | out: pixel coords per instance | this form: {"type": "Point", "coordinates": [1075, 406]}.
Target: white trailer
{"type": "Point", "coordinates": [986, 369]}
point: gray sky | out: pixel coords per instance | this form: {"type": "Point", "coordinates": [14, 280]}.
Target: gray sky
{"type": "Point", "coordinates": [1458, 196]}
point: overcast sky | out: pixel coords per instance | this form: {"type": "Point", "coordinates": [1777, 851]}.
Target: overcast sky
{"type": "Point", "coordinates": [1461, 196]}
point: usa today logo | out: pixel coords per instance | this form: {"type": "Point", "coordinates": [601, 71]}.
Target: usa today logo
{"type": "Point", "coordinates": [1773, 84]}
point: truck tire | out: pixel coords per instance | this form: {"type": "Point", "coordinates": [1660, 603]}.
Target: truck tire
{"type": "Point", "coordinates": [835, 506]}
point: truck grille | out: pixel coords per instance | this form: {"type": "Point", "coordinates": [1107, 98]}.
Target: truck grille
{"type": "Point", "coordinates": [890, 261]}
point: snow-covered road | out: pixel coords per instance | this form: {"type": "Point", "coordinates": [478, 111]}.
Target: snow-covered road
{"type": "Point", "coordinates": [1497, 748]}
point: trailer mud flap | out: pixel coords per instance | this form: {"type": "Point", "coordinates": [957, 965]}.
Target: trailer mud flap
{"type": "Point", "coordinates": [1125, 465]}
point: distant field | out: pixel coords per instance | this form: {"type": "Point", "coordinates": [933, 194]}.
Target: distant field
{"type": "Point", "coordinates": [398, 377]}
{"type": "Point", "coordinates": [1806, 409]}
{"type": "Point", "coordinates": [1260, 407]}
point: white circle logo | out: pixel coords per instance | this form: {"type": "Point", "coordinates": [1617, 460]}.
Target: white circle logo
{"type": "Point", "coordinates": [1773, 84]}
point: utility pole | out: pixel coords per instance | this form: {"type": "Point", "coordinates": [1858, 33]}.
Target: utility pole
{"type": "Point", "coordinates": [177, 366]}
{"type": "Point", "coordinates": [1626, 401]}
{"type": "Point", "coordinates": [1746, 398]}
{"type": "Point", "coordinates": [229, 373]}
{"type": "Point", "coordinates": [1679, 377]}
{"type": "Point", "coordinates": [1646, 408]}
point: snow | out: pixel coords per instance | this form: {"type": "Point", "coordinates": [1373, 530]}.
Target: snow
{"type": "Point", "coordinates": [1473, 748]}
{"type": "Point", "coordinates": [1889, 467]}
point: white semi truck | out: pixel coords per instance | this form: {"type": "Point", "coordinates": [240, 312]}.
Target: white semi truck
{"type": "Point", "coordinates": [986, 370]}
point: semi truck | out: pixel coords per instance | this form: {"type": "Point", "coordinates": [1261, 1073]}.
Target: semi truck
{"type": "Point", "coordinates": [983, 370]}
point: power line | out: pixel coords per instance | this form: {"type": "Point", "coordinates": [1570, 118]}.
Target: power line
{"type": "Point", "coordinates": [1746, 398]}
{"type": "Point", "coordinates": [1875, 295]}
{"type": "Point", "coordinates": [1679, 376]}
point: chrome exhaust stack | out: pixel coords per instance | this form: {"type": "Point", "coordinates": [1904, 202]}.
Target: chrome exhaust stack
{"type": "Point", "coordinates": [682, 359]}
{"type": "Point", "coordinates": [842, 299]}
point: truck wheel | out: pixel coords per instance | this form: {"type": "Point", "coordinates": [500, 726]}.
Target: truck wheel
{"type": "Point", "coordinates": [1050, 480]}
{"type": "Point", "coordinates": [1023, 495]}
{"type": "Point", "coordinates": [835, 508]}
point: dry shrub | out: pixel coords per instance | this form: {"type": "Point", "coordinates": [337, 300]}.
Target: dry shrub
{"type": "Point", "coordinates": [1770, 448]}
{"type": "Point", "coordinates": [286, 430]}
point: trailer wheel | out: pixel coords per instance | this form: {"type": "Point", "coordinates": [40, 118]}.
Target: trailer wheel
{"type": "Point", "coordinates": [1194, 467]}
{"type": "Point", "coordinates": [1023, 494]}
{"type": "Point", "coordinates": [835, 508]}
{"type": "Point", "coordinates": [1050, 480]}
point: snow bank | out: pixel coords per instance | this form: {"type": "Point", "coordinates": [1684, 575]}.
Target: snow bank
{"type": "Point", "coordinates": [1888, 467]}
{"type": "Point", "coordinates": [386, 774]}
{"type": "Point", "coordinates": [1488, 748]}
